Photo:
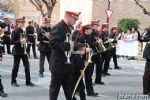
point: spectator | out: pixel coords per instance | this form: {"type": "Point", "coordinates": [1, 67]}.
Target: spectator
{"type": "Point", "coordinates": [135, 33]}
{"type": "Point", "coordinates": [128, 36]}
{"type": "Point", "coordinates": [120, 34]}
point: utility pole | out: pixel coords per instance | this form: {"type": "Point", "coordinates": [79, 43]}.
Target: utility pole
{"type": "Point", "coordinates": [108, 9]}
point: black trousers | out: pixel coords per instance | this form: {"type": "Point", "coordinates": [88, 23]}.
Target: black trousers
{"type": "Point", "coordinates": [33, 49]}
{"type": "Point", "coordinates": [88, 78]}
{"type": "Point", "coordinates": [105, 60]}
{"type": "Point", "coordinates": [58, 80]}
{"type": "Point", "coordinates": [6, 41]}
{"type": "Point", "coordinates": [146, 78]}
{"type": "Point", "coordinates": [97, 60]}
{"type": "Point", "coordinates": [25, 60]}
{"type": "Point", "coordinates": [42, 60]}
{"type": "Point", "coordinates": [81, 86]}
{"type": "Point", "coordinates": [114, 56]}
{"type": "Point", "coordinates": [1, 86]}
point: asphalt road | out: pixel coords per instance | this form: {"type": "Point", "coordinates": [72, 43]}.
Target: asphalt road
{"type": "Point", "coordinates": [124, 83]}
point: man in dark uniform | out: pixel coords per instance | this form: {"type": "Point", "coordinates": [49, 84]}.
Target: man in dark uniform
{"type": "Point", "coordinates": [19, 52]}
{"type": "Point", "coordinates": [2, 93]}
{"type": "Point", "coordinates": [97, 56]}
{"type": "Point", "coordinates": [61, 69]}
{"type": "Point", "coordinates": [43, 38]}
{"type": "Point", "coordinates": [89, 40]}
{"type": "Point", "coordinates": [31, 39]}
{"type": "Point", "coordinates": [105, 55]}
{"type": "Point", "coordinates": [146, 55]}
{"type": "Point", "coordinates": [6, 37]}
{"type": "Point", "coordinates": [78, 66]}
{"type": "Point", "coordinates": [113, 35]}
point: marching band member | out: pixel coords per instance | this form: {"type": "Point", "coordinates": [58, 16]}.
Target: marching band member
{"type": "Point", "coordinates": [19, 52]}
{"type": "Point", "coordinates": [61, 45]}
{"type": "Point", "coordinates": [31, 39]}
{"type": "Point", "coordinates": [6, 37]}
{"type": "Point", "coordinates": [2, 93]}
{"type": "Point", "coordinates": [87, 38]}
{"type": "Point", "coordinates": [97, 56]}
{"type": "Point", "coordinates": [43, 38]}
{"type": "Point", "coordinates": [113, 35]}
{"type": "Point", "coordinates": [105, 55]}
{"type": "Point", "coordinates": [78, 65]}
{"type": "Point", "coordinates": [146, 55]}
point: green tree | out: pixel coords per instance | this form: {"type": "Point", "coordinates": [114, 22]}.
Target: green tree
{"type": "Point", "coordinates": [126, 23]}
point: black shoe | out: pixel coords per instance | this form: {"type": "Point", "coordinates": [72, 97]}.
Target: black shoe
{"type": "Point", "coordinates": [74, 98]}
{"type": "Point", "coordinates": [117, 67]}
{"type": "Point", "coordinates": [15, 84]}
{"type": "Point", "coordinates": [147, 94]}
{"type": "Point", "coordinates": [107, 74]}
{"type": "Point", "coordinates": [41, 75]}
{"type": "Point", "coordinates": [92, 94]}
{"type": "Point", "coordinates": [100, 83]}
{"type": "Point", "coordinates": [30, 84]}
{"type": "Point", "coordinates": [9, 53]}
{"type": "Point", "coordinates": [2, 94]}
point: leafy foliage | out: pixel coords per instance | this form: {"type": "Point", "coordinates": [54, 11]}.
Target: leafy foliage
{"type": "Point", "coordinates": [127, 23]}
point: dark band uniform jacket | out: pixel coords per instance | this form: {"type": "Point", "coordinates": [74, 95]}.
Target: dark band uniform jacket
{"type": "Point", "coordinates": [15, 40]}
{"type": "Point", "coordinates": [78, 63]}
{"type": "Point", "coordinates": [43, 47]}
{"type": "Point", "coordinates": [146, 53]}
{"type": "Point", "coordinates": [30, 34]}
{"type": "Point", "coordinates": [58, 48]}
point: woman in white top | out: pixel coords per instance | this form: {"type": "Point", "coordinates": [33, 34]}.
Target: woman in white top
{"type": "Point", "coordinates": [128, 36]}
{"type": "Point", "coordinates": [135, 33]}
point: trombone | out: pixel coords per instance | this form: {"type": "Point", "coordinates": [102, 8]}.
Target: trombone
{"type": "Point", "coordinates": [78, 81]}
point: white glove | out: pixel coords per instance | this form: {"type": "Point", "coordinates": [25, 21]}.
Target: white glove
{"type": "Point", "coordinates": [23, 41]}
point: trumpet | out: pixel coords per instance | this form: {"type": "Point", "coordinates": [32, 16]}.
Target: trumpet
{"type": "Point", "coordinates": [44, 32]}
{"type": "Point", "coordinates": [101, 47]}
{"type": "Point", "coordinates": [23, 42]}
{"type": "Point", "coordinates": [68, 53]}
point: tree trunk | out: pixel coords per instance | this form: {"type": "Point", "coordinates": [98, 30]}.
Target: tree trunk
{"type": "Point", "coordinates": [49, 12]}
